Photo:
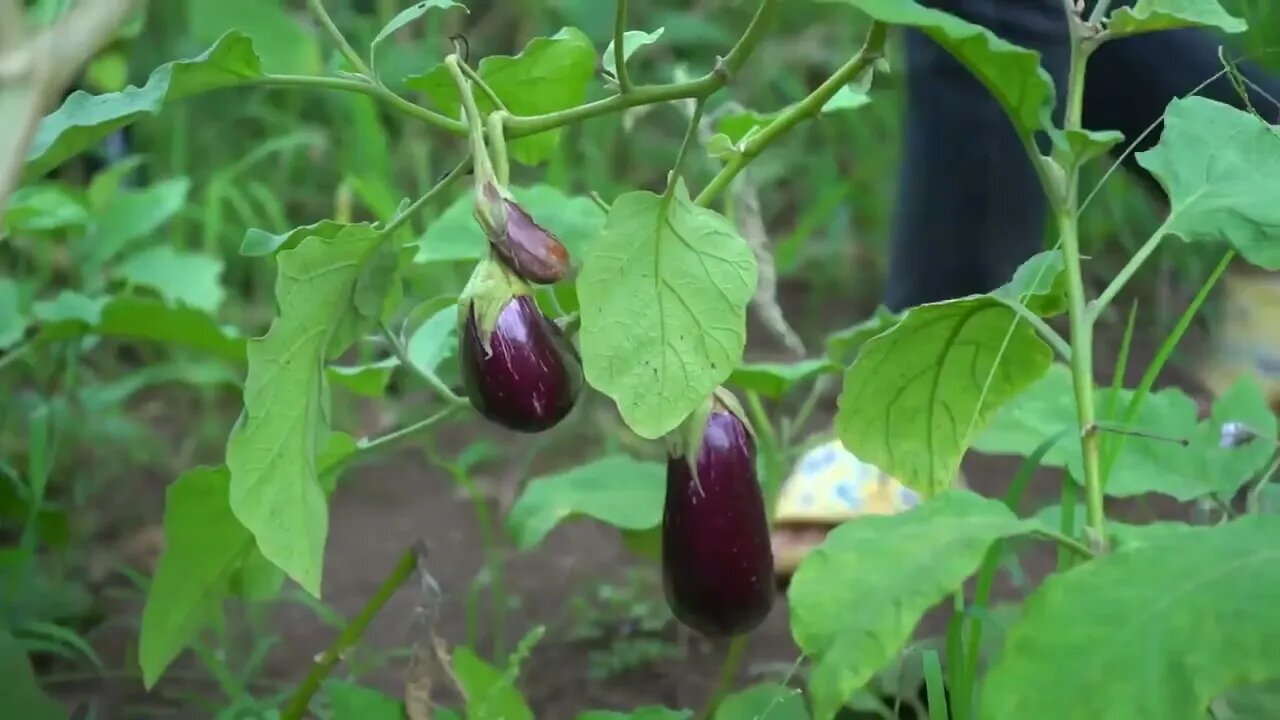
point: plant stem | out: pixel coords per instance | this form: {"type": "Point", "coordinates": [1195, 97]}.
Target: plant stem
{"type": "Point", "coordinates": [1099, 305]}
{"type": "Point", "coordinates": [475, 123]}
{"type": "Point", "coordinates": [702, 87]}
{"type": "Point", "coordinates": [377, 92]}
{"type": "Point", "coordinates": [499, 142]}
{"type": "Point", "coordinates": [689, 134]}
{"type": "Point", "coordinates": [402, 354]}
{"type": "Point", "coordinates": [1067, 543]}
{"type": "Point", "coordinates": [619, 51]}
{"type": "Point", "coordinates": [369, 445]}
{"type": "Point", "coordinates": [317, 8]}
{"type": "Point", "coordinates": [445, 183]}
{"type": "Point", "coordinates": [1047, 333]}
{"type": "Point", "coordinates": [1099, 11]}
{"type": "Point", "coordinates": [484, 86]}
{"type": "Point", "coordinates": [729, 669]}
{"type": "Point", "coordinates": [811, 105]}
{"type": "Point", "coordinates": [1081, 336]}
{"type": "Point", "coordinates": [349, 636]}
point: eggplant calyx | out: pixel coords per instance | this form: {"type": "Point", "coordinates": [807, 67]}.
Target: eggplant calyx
{"type": "Point", "coordinates": [491, 287]}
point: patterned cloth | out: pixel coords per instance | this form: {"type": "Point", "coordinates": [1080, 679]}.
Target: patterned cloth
{"type": "Point", "coordinates": [830, 484]}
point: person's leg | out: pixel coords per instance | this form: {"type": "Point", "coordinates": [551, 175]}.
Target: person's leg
{"type": "Point", "coordinates": [969, 208]}
{"type": "Point", "coordinates": [1129, 83]}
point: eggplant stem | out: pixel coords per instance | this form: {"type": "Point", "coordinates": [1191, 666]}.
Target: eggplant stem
{"type": "Point", "coordinates": [728, 670]}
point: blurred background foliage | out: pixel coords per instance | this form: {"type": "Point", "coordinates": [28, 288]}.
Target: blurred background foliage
{"type": "Point", "coordinates": [163, 208]}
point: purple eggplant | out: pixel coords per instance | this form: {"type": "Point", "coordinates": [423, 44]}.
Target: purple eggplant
{"type": "Point", "coordinates": [716, 554]}
{"type": "Point", "coordinates": [518, 368]}
{"type": "Point", "coordinates": [532, 251]}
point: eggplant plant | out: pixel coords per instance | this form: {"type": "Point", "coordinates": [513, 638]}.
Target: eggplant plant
{"type": "Point", "coordinates": [1138, 621]}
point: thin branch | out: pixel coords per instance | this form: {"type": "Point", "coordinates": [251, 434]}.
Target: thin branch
{"type": "Point", "coordinates": [480, 83]}
{"type": "Point", "coordinates": [619, 50]}
{"type": "Point", "coordinates": [872, 50]}
{"type": "Point", "coordinates": [317, 9]}
{"type": "Point", "coordinates": [392, 100]}
{"type": "Point", "coordinates": [445, 183]}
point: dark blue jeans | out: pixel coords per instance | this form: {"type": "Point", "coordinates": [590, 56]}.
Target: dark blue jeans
{"type": "Point", "coordinates": [970, 209]}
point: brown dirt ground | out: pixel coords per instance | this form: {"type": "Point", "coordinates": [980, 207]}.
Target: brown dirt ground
{"type": "Point", "coordinates": [383, 507]}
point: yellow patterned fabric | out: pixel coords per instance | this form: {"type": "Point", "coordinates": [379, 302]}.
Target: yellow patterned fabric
{"type": "Point", "coordinates": [830, 484]}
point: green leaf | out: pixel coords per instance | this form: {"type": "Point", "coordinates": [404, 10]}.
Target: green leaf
{"type": "Point", "coordinates": [435, 340]}
{"type": "Point", "coordinates": [377, 291]}
{"type": "Point", "coordinates": [664, 303]}
{"type": "Point", "coordinates": [455, 236]}
{"type": "Point", "coordinates": [649, 712]}
{"type": "Point", "coordinates": [617, 490]}
{"type": "Point", "coordinates": [258, 243]}
{"type": "Point", "coordinates": [767, 701]}
{"type": "Point", "coordinates": [22, 694]}
{"type": "Point", "coordinates": [490, 694]}
{"type": "Point", "coordinates": [13, 314]}
{"type": "Point", "coordinates": [70, 306]}
{"type": "Point", "coordinates": [275, 489]}
{"type": "Point", "coordinates": [204, 544]}
{"type": "Point", "coordinates": [181, 278]}
{"type": "Point", "coordinates": [1154, 15]}
{"type": "Point", "coordinates": [349, 701]}
{"type": "Point", "coordinates": [1010, 73]}
{"type": "Point", "coordinates": [1167, 626]}
{"type": "Point", "coordinates": [285, 44]}
{"type": "Point", "coordinates": [404, 17]}
{"type": "Point", "coordinates": [1218, 166]}
{"type": "Point", "coordinates": [41, 208]}
{"type": "Point", "coordinates": [1144, 464]}
{"type": "Point", "coordinates": [843, 345]}
{"type": "Point", "coordinates": [141, 319]}
{"type": "Point", "coordinates": [777, 379]}
{"type": "Point", "coordinates": [1081, 146]}
{"type": "Point", "coordinates": [83, 119]}
{"type": "Point", "coordinates": [368, 380]}
{"type": "Point", "coordinates": [632, 40]}
{"type": "Point", "coordinates": [550, 74]}
{"type": "Point", "coordinates": [892, 569]}
{"type": "Point", "coordinates": [918, 393]}
{"type": "Point", "coordinates": [127, 215]}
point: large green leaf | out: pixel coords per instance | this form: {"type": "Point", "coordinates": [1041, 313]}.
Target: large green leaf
{"type": "Point", "coordinates": [491, 694]}
{"type": "Point", "coordinates": [285, 42]}
{"type": "Point", "coordinates": [181, 278]}
{"type": "Point", "coordinates": [918, 393]}
{"type": "Point", "coordinates": [350, 701]}
{"type": "Point", "coordinates": [272, 452]}
{"type": "Point", "coordinates": [617, 490]}
{"type": "Point", "coordinates": [1153, 462]}
{"type": "Point", "coordinates": [843, 345]}
{"type": "Point", "coordinates": [84, 119]}
{"type": "Point", "coordinates": [1153, 630]}
{"type": "Point", "coordinates": [13, 313]}
{"type": "Point", "coordinates": [123, 216]}
{"type": "Point", "coordinates": [455, 235]}
{"type": "Point", "coordinates": [41, 208]}
{"type": "Point", "coordinates": [204, 544]}
{"type": "Point", "coordinates": [1155, 15]}
{"type": "Point", "coordinates": [664, 300]}
{"type": "Point", "coordinates": [767, 701]}
{"type": "Point", "coordinates": [550, 74]}
{"type": "Point", "coordinates": [778, 379]}
{"type": "Point", "coordinates": [142, 319]}
{"type": "Point", "coordinates": [18, 686]}
{"type": "Point", "coordinates": [1010, 73]}
{"type": "Point", "coordinates": [857, 598]}
{"type": "Point", "coordinates": [1219, 166]}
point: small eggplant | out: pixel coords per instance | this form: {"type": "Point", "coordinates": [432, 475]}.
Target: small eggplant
{"type": "Point", "coordinates": [532, 251]}
{"type": "Point", "coordinates": [716, 554]}
{"type": "Point", "coordinates": [518, 368]}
